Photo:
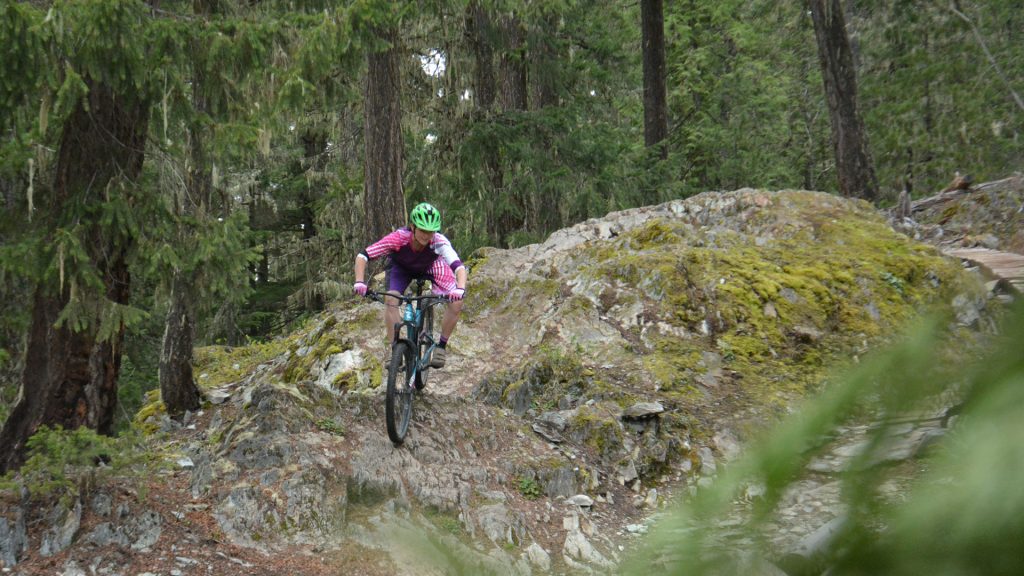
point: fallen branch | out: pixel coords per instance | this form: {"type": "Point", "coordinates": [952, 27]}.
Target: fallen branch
{"type": "Point", "coordinates": [925, 203]}
{"type": "Point", "coordinates": [947, 195]}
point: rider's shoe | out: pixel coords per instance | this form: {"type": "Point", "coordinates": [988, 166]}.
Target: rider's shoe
{"type": "Point", "coordinates": [437, 358]}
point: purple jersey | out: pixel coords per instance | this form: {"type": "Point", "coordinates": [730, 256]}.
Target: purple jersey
{"type": "Point", "coordinates": [439, 261]}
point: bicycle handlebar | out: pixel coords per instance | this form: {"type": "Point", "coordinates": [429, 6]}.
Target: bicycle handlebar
{"type": "Point", "coordinates": [379, 297]}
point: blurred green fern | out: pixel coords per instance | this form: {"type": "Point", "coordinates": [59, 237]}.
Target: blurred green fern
{"type": "Point", "coordinates": [963, 514]}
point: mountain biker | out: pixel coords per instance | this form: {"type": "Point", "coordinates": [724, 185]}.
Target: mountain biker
{"type": "Point", "coordinates": [418, 251]}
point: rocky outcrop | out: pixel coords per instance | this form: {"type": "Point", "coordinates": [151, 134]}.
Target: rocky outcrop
{"type": "Point", "coordinates": [594, 377]}
{"type": "Point", "coordinates": [989, 215]}
{"type": "Point", "coordinates": [13, 536]}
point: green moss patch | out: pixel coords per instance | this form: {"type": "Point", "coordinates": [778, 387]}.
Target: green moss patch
{"type": "Point", "coordinates": [779, 294]}
{"type": "Point", "coordinates": [597, 426]}
{"type": "Point", "coordinates": [218, 365]}
{"type": "Point", "coordinates": [550, 378]}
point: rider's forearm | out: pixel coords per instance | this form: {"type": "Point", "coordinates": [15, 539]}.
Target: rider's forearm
{"type": "Point", "coordinates": [360, 268]}
{"type": "Point", "coordinates": [460, 277]}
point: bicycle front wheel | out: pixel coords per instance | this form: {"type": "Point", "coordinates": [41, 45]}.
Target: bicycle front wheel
{"type": "Point", "coordinates": [398, 405]}
{"type": "Point", "coordinates": [426, 337]}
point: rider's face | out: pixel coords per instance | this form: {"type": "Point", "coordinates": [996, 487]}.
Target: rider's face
{"type": "Point", "coordinates": [422, 236]}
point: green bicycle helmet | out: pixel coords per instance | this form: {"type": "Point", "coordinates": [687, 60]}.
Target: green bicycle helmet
{"type": "Point", "coordinates": [426, 217]}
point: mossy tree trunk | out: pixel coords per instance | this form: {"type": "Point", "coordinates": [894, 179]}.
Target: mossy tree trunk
{"type": "Point", "coordinates": [70, 377]}
{"type": "Point", "coordinates": [178, 388]}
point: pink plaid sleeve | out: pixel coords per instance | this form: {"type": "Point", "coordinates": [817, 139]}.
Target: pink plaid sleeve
{"type": "Point", "coordinates": [443, 248]}
{"type": "Point", "coordinates": [388, 244]}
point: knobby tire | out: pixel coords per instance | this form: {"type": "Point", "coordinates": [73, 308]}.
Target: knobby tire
{"type": "Point", "coordinates": [398, 405]}
{"type": "Point", "coordinates": [425, 331]}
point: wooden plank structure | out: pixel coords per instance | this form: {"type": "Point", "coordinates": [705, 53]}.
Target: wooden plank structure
{"type": "Point", "coordinates": [1006, 267]}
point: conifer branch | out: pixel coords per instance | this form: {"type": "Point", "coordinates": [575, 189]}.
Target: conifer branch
{"type": "Point", "coordinates": [988, 54]}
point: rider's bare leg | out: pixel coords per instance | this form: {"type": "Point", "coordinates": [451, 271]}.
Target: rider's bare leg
{"type": "Point", "coordinates": [451, 318]}
{"type": "Point", "coordinates": [391, 315]}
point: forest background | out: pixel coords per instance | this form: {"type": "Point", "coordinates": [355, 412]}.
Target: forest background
{"type": "Point", "coordinates": [241, 168]}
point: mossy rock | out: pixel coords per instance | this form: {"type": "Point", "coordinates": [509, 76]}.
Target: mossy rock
{"type": "Point", "coordinates": [752, 287]}
{"type": "Point", "coordinates": [548, 382]}
{"type": "Point", "coordinates": [598, 426]}
{"type": "Point", "coordinates": [555, 477]}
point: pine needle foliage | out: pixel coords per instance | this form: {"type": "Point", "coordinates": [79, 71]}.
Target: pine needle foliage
{"type": "Point", "coordinates": [63, 464]}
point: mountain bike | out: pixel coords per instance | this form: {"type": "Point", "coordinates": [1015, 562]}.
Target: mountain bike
{"type": "Point", "coordinates": [411, 352]}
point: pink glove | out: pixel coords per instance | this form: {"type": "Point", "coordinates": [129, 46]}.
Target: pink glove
{"type": "Point", "coordinates": [359, 288]}
{"type": "Point", "coordinates": [457, 294]}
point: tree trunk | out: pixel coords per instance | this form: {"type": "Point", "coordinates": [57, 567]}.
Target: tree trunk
{"type": "Point", "coordinates": [544, 60]}
{"type": "Point", "coordinates": [508, 209]}
{"type": "Point", "coordinates": [481, 35]}
{"type": "Point", "coordinates": [655, 93]}
{"type": "Point", "coordinates": [384, 199]}
{"type": "Point", "coordinates": [849, 141]}
{"type": "Point", "coordinates": [314, 144]}
{"type": "Point", "coordinates": [178, 388]}
{"type": "Point", "coordinates": [70, 378]}
{"type": "Point", "coordinates": [546, 210]}
{"type": "Point", "coordinates": [512, 69]}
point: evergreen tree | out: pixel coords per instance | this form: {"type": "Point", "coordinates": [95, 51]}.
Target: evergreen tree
{"type": "Point", "coordinates": [178, 388]}
{"type": "Point", "coordinates": [87, 220]}
{"type": "Point", "coordinates": [849, 140]}
{"type": "Point", "coordinates": [384, 200]}
{"type": "Point", "coordinates": [655, 106]}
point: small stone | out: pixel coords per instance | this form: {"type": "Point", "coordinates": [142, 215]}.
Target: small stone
{"type": "Point", "coordinates": [642, 410]}
{"type": "Point", "coordinates": [538, 557]}
{"type": "Point", "coordinates": [754, 491]}
{"type": "Point", "coordinates": [547, 432]}
{"type": "Point", "coordinates": [651, 500]}
{"type": "Point", "coordinates": [790, 295]}
{"type": "Point", "coordinates": [636, 529]}
{"type": "Point", "coordinates": [218, 395]}
{"type": "Point", "coordinates": [804, 333]}
{"type": "Point", "coordinates": [707, 461]}
{"type": "Point", "coordinates": [580, 500]}
{"type": "Point", "coordinates": [627, 472]}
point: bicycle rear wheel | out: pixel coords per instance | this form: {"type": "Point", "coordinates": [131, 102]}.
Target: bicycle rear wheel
{"type": "Point", "coordinates": [398, 404]}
